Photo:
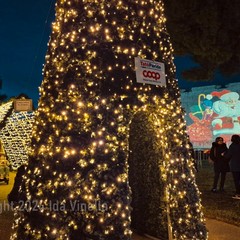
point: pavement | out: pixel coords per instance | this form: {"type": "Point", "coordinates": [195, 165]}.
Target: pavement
{"type": "Point", "coordinates": [222, 231]}
{"type": "Point", "coordinates": [217, 230]}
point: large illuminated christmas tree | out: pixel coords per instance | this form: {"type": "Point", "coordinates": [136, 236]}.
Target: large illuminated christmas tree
{"type": "Point", "coordinates": [77, 177]}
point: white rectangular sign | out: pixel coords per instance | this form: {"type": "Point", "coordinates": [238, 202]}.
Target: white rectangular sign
{"type": "Point", "coordinates": [23, 105]}
{"type": "Point", "coordinates": [150, 72]}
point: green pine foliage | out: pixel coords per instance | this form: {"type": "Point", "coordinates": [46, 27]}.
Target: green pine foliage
{"type": "Point", "coordinates": [77, 178]}
{"type": "Point", "coordinates": [145, 177]}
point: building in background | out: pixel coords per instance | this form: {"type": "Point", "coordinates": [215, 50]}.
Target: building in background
{"type": "Point", "coordinates": [211, 112]}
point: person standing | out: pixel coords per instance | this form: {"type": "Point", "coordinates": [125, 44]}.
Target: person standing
{"type": "Point", "coordinates": [234, 155]}
{"type": "Point", "coordinates": [18, 192]}
{"type": "Point", "coordinates": [220, 163]}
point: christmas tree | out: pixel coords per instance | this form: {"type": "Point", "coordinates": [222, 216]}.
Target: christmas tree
{"type": "Point", "coordinates": [77, 175]}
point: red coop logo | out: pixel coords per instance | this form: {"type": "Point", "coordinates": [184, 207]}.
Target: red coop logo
{"type": "Point", "coordinates": [151, 74]}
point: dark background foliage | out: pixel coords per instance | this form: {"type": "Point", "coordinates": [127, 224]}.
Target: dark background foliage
{"type": "Point", "coordinates": [208, 31]}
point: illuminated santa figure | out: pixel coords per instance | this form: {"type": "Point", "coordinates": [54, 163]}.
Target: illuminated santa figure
{"type": "Point", "coordinates": [227, 109]}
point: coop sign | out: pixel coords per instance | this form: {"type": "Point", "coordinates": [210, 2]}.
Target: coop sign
{"type": "Point", "coordinates": [150, 72]}
{"type": "Point", "coordinates": [23, 105]}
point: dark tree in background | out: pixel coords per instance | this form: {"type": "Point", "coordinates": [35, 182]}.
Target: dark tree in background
{"type": "Point", "coordinates": [208, 30]}
{"type": "Point", "coordinates": [2, 96]}
{"type": "Point", "coordinates": [77, 175]}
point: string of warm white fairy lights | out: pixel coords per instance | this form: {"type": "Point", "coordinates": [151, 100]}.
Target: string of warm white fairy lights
{"type": "Point", "coordinates": [79, 147]}
{"type": "Point", "coordinates": [16, 134]}
{"type": "Point", "coordinates": [4, 109]}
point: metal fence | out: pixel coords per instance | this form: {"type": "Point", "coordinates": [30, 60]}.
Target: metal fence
{"type": "Point", "coordinates": [201, 155]}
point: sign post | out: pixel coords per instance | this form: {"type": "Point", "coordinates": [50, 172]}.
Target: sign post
{"type": "Point", "coordinates": [23, 105]}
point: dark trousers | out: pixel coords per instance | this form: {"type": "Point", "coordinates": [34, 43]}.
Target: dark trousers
{"type": "Point", "coordinates": [236, 179]}
{"type": "Point", "coordinates": [216, 177]}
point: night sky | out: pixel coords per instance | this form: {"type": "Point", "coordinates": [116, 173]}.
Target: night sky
{"type": "Point", "coordinates": [25, 26]}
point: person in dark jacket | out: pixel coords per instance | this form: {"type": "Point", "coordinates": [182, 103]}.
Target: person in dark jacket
{"type": "Point", "coordinates": [234, 155]}
{"type": "Point", "coordinates": [18, 193]}
{"type": "Point", "coordinates": [221, 165]}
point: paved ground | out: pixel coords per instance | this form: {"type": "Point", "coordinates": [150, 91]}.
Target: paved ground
{"type": "Point", "coordinates": [222, 231]}
{"type": "Point", "coordinates": [217, 230]}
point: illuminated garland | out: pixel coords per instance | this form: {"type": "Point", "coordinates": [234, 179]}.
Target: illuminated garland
{"type": "Point", "coordinates": [4, 109]}
{"type": "Point", "coordinates": [16, 134]}
{"type": "Point", "coordinates": [79, 148]}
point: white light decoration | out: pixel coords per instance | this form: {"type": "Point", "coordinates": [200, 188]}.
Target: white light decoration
{"type": "Point", "coordinates": [15, 133]}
